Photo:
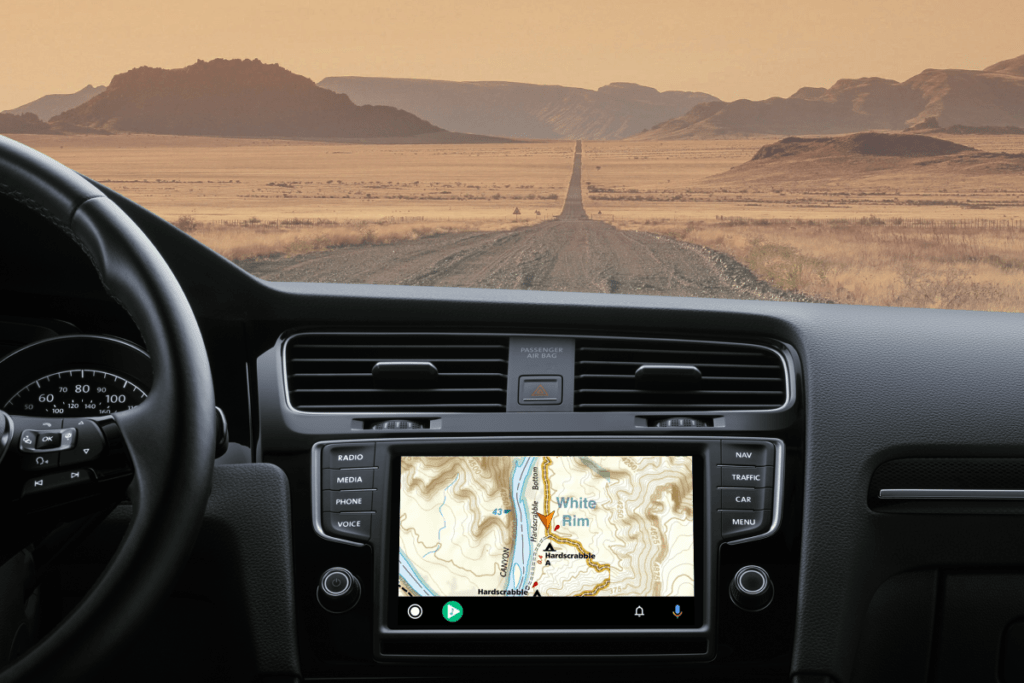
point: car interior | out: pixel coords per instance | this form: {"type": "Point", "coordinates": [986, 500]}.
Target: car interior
{"type": "Point", "coordinates": [227, 471]}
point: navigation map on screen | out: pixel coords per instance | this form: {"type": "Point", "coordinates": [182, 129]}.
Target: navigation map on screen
{"type": "Point", "coordinates": [546, 526]}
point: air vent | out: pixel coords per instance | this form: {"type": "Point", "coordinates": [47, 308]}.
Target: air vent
{"type": "Point", "coordinates": [732, 376]}
{"type": "Point", "coordinates": [334, 372]}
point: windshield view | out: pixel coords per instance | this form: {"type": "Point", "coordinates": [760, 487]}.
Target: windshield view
{"type": "Point", "coordinates": [738, 151]}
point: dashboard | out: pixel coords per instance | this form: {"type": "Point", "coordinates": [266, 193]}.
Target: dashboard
{"type": "Point", "coordinates": [726, 479]}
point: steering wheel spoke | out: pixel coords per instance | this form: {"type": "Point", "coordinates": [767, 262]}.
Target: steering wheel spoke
{"type": "Point", "coordinates": [57, 471]}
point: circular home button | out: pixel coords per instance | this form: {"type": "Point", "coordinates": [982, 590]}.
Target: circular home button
{"type": "Point", "coordinates": [751, 589]}
{"type": "Point", "coordinates": [753, 581]}
{"type": "Point", "coordinates": [337, 583]}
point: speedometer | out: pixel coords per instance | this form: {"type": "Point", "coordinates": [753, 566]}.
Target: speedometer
{"type": "Point", "coordinates": [76, 393]}
{"type": "Point", "coordinates": [80, 375]}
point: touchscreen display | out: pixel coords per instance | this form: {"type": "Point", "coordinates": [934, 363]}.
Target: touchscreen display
{"type": "Point", "coordinates": [549, 527]}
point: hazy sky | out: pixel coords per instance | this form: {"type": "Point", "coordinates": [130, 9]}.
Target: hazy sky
{"type": "Point", "coordinates": [729, 48]}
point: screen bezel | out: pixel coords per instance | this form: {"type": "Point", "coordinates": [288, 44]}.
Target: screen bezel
{"type": "Point", "coordinates": [704, 454]}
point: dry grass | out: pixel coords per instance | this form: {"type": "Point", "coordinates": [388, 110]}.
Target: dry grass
{"type": "Point", "coordinates": [255, 238]}
{"type": "Point", "coordinates": [955, 264]}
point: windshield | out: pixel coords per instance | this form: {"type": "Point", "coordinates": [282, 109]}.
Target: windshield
{"type": "Point", "coordinates": [866, 153]}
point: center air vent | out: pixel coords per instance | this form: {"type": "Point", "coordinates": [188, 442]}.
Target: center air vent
{"type": "Point", "coordinates": [334, 372]}
{"type": "Point", "coordinates": [695, 376]}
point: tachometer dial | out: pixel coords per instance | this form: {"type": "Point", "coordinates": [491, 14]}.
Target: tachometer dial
{"type": "Point", "coordinates": [76, 393]}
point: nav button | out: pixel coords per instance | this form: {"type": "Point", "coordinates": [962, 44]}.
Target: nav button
{"type": "Point", "coordinates": [353, 525]}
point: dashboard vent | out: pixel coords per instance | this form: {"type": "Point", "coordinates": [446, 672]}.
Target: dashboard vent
{"type": "Point", "coordinates": [712, 376]}
{"type": "Point", "coordinates": [334, 372]}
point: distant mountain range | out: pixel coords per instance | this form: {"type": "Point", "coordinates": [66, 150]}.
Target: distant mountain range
{"type": "Point", "coordinates": [235, 98]}
{"type": "Point", "coordinates": [523, 110]}
{"type": "Point", "coordinates": [799, 161]}
{"type": "Point", "coordinates": [48, 106]}
{"type": "Point", "coordinates": [991, 97]}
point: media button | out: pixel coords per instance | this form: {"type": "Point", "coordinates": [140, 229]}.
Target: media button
{"type": "Point", "coordinates": [342, 480]}
{"type": "Point", "coordinates": [338, 457]}
{"type": "Point", "coordinates": [354, 525]}
{"type": "Point", "coordinates": [754, 477]}
{"type": "Point", "coordinates": [347, 501]}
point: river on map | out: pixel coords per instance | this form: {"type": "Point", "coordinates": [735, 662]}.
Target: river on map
{"type": "Point", "coordinates": [523, 549]}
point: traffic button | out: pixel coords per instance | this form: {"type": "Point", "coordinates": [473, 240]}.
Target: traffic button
{"type": "Point", "coordinates": [755, 477]}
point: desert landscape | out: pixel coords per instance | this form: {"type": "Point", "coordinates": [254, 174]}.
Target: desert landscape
{"type": "Point", "coordinates": [913, 196]}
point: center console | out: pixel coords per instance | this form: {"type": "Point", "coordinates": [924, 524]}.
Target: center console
{"type": "Point", "coordinates": [588, 538]}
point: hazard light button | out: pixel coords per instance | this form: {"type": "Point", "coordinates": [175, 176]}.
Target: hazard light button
{"type": "Point", "coordinates": [540, 390]}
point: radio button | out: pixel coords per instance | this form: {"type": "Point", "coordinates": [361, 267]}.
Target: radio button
{"type": "Point", "coordinates": [337, 457]}
{"type": "Point", "coordinates": [347, 501]}
{"type": "Point", "coordinates": [354, 525]}
{"type": "Point", "coordinates": [748, 453]}
{"type": "Point", "coordinates": [737, 524]}
{"type": "Point", "coordinates": [343, 480]}
{"type": "Point", "coordinates": [744, 499]}
{"type": "Point", "coordinates": [754, 477]}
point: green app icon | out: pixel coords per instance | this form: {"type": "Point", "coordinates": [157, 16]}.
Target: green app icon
{"type": "Point", "coordinates": [452, 611]}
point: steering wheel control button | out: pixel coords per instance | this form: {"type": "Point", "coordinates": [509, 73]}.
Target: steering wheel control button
{"type": "Point", "coordinates": [751, 589]}
{"type": "Point", "coordinates": [754, 477]}
{"type": "Point", "coordinates": [32, 462]}
{"type": "Point", "coordinates": [353, 525]}
{"type": "Point", "coordinates": [737, 524]}
{"type": "Point", "coordinates": [57, 480]}
{"type": "Point", "coordinates": [744, 499]}
{"type": "Point", "coordinates": [545, 390]}
{"type": "Point", "coordinates": [338, 457]}
{"type": "Point", "coordinates": [28, 440]}
{"type": "Point", "coordinates": [88, 445]}
{"type": "Point", "coordinates": [47, 441]}
{"type": "Point", "coordinates": [338, 590]}
{"type": "Point", "coordinates": [748, 453]}
{"type": "Point", "coordinates": [347, 501]}
{"type": "Point", "coordinates": [344, 480]}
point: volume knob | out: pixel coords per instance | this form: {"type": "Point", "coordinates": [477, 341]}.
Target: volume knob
{"type": "Point", "coordinates": [751, 589]}
{"type": "Point", "coordinates": [338, 590]}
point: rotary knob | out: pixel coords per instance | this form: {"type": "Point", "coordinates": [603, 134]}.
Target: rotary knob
{"type": "Point", "coordinates": [338, 590]}
{"type": "Point", "coordinates": [751, 589]}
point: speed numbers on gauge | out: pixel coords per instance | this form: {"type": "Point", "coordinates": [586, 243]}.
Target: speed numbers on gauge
{"type": "Point", "coordinates": [76, 393]}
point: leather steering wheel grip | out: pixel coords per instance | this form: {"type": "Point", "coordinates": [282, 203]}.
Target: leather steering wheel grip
{"type": "Point", "coordinates": [171, 436]}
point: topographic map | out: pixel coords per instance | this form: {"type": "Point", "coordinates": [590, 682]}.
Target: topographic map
{"type": "Point", "coordinates": [553, 526]}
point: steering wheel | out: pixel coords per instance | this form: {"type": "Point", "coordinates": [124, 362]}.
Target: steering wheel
{"type": "Point", "coordinates": [166, 444]}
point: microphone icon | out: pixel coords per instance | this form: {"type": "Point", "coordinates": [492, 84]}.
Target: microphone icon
{"type": "Point", "coordinates": [678, 613]}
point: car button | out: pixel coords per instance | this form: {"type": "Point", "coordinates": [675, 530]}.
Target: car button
{"type": "Point", "coordinates": [347, 501]}
{"type": "Point", "coordinates": [737, 524]}
{"type": "Point", "coordinates": [744, 499]}
{"type": "Point", "coordinates": [342, 480]}
{"type": "Point", "coordinates": [748, 453]}
{"type": "Point", "coordinates": [337, 457]}
{"type": "Point", "coordinates": [754, 477]}
{"type": "Point", "coordinates": [354, 525]}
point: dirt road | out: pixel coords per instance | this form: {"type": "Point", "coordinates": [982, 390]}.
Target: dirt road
{"type": "Point", "coordinates": [570, 253]}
